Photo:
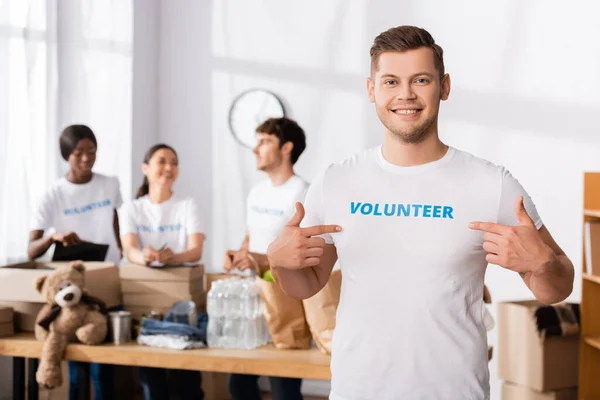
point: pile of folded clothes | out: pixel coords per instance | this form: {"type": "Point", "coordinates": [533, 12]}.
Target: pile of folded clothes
{"type": "Point", "coordinates": [173, 335]}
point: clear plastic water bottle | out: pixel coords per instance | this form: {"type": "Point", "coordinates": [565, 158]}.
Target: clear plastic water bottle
{"type": "Point", "coordinates": [214, 307]}
{"type": "Point", "coordinates": [235, 314]}
{"type": "Point", "coordinates": [247, 334]}
{"type": "Point", "coordinates": [231, 328]}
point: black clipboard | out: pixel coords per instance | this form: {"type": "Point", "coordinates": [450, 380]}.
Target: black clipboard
{"type": "Point", "coordinates": [84, 251]}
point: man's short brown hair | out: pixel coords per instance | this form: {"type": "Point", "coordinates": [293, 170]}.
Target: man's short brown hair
{"type": "Point", "coordinates": [403, 38]}
{"type": "Point", "coordinates": [287, 130]}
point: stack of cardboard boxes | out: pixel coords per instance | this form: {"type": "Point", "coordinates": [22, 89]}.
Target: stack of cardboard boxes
{"type": "Point", "coordinates": [147, 289]}
{"type": "Point", "coordinates": [17, 288]}
{"type": "Point", "coordinates": [534, 367]}
{"type": "Point", "coordinates": [6, 321]}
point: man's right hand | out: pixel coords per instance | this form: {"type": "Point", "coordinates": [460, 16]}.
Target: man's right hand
{"type": "Point", "coordinates": [228, 260]}
{"type": "Point", "coordinates": [236, 260]}
{"type": "Point", "coordinates": [67, 239]}
{"type": "Point", "coordinates": [295, 247]}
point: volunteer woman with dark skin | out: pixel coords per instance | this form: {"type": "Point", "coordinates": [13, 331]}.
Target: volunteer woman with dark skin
{"type": "Point", "coordinates": [80, 206]}
{"type": "Point", "coordinates": [160, 227]}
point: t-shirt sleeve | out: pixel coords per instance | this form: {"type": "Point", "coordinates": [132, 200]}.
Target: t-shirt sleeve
{"type": "Point", "coordinates": [127, 223]}
{"type": "Point", "coordinates": [301, 194]}
{"type": "Point", "coordinates": [118, 199]}
{"type": "Point", "coordinates": [42, 218]}
{"type": "Point", "coordinates": [313, 207]}
{"type": "Point", "coordinates": [511, 190]}
{"type": "Point", "coordinates": [193, 222]}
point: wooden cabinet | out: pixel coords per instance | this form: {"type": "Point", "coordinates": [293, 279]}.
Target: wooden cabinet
{"type": "Point", "coordinates": [589, 357]}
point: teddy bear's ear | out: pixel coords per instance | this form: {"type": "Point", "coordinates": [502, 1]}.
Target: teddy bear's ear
{"type": "Point", "coordinates": [78, 266]}
{"type": "Point", "coordinates": [39, 282]}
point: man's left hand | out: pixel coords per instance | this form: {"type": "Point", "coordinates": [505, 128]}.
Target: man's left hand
{"type": "Point", "coordinates": [519, 248]}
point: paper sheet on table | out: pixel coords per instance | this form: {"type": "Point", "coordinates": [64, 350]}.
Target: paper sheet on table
{"type": "Point", "coordinates": [156, 264]}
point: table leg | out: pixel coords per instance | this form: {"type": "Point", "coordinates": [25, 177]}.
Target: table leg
{"type": "Point", "coordinates": [18, 378]}
{"type": "Point", "coordinates": [32, 385]}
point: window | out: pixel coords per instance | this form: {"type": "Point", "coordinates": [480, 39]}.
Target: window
{"type": "Point", "coordinates": [61, 62]}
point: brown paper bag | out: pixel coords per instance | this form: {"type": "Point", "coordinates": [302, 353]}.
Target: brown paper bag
{"type": "Point", "coordinates": [285, 317]}
{"type": "Point", "coordinates": [320, 312]}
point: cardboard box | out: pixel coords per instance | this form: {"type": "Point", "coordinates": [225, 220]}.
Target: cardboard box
{"type": "Point", "coordinates": [146, 287]}
{"type": "Point", "coordinates": [160, 299]}
{"type": "Point", "coordinates": [210, 278]}
{"type": "Point", "coordinates": [17, 281]}
{"type": "Point", "coordinates": [6, 314]}
{"type": "Point", "coordinates": [138, 311]}
{"type": "Point", "coordinates": [6, 329]}
{"type": "Point", "coordinates": [25, 314]}
{"type": "Point", "coordinates": [511, 391]}
{"type": "Point", "coordinates": [527, 359]}
{"type": "Point", "coordinates": [164, 274]}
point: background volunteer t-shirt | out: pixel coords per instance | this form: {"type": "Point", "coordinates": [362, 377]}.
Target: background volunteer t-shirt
{"type": "Point", "coordinates": [166, 224]}
{"type": "Point", "coordinates": [409, 323]}
{"type": "Point", "coordinates": [269, 208]}
{"type": "Point", "coordinates": [86, 209]}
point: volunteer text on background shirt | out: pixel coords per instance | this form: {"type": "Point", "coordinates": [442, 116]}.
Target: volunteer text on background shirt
{"type": "Point", "coordinates": [166, 224]}
{"type": "Point", "coordinates": [269, 208]}
{"type": "Point", "coordinates": [86, 209]}
{"type": "Point", "coordinates": [409, 323]}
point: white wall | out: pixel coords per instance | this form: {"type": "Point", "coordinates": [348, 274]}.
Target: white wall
{"type": "Point", "coordinates": [525, 79]}
{"type": "Point", "coordinates": [146, 78]}
{"type": "Point", "coordinates": [185, 111]}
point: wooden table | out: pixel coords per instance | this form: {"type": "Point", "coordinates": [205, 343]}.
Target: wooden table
{"type": "Point", "coordinates": [266, 360]}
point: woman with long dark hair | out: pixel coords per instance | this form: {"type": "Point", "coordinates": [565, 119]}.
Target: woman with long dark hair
{"type": "Point", "coordinates": [162, 227]}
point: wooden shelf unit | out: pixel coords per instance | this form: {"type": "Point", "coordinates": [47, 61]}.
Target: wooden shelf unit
{"type": "Point", "coordinates": [591, 213]}
{"type": "Point", "coordinates": [593, 341]}
{"type": "Point", "coordinates": [589, 355]}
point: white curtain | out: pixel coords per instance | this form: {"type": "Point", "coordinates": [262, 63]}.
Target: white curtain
{"type": "Point", "coordinates": [61, 62]}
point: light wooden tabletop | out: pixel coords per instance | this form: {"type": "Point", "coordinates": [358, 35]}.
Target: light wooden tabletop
{"type": "Point", "coordinates": [266, 360]}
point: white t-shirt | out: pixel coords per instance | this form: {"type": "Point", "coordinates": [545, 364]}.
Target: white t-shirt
{"type": "Point", "coordinates": [409, 322]}
{"type": "Point", "coordinates": [269, 209]}
{"type": "Point", "coordinates": [166, 224]}
{"type": "Point", "coordinates": [86, 209]}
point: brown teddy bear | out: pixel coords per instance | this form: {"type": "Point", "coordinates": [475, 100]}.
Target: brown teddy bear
{"type": "Point", "coordinates": [69, 315]}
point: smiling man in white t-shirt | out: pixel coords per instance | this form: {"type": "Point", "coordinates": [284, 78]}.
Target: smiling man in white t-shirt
{"type": "Point", "coordinates": [414, 224]}
{"type": "Point", "coordinates": [270, 204]}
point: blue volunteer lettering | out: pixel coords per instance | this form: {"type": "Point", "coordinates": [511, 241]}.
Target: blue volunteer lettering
{"type": "Point", "coordinates": [159, 228]}
{"type": "Point", "coordinates": [87, 207]}
{"type": "Point", "coordinates": [267, 211]}
{"type": "Point", "coordinates": [402, 210]}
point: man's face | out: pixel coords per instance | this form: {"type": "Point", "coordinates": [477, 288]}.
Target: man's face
{"type": "Point", "coordinates": [406, 89]}
{"type": "Point", "coordinates": [268, 153]}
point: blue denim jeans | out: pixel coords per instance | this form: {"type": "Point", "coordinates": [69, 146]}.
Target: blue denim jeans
{"type": "Point", "coordinates": [155, 384]}
{"type": "Point", "coordinates": [102, 376]}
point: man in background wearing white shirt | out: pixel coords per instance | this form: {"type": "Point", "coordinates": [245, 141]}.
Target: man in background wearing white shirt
{"type": "Point", "coordinates": [270, 204]}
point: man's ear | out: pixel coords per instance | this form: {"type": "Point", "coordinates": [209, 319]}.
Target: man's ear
{"type": "Point", "coordinates": [39, 283]}
{"type": "Point", "coordinates": [445, 93]}
{"type": "Point", "coordinates": [78, 266]}
{"type": "Point", "coordinates": [371, 90]}
{"type": "Point", "coordinates": [287, 148]}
